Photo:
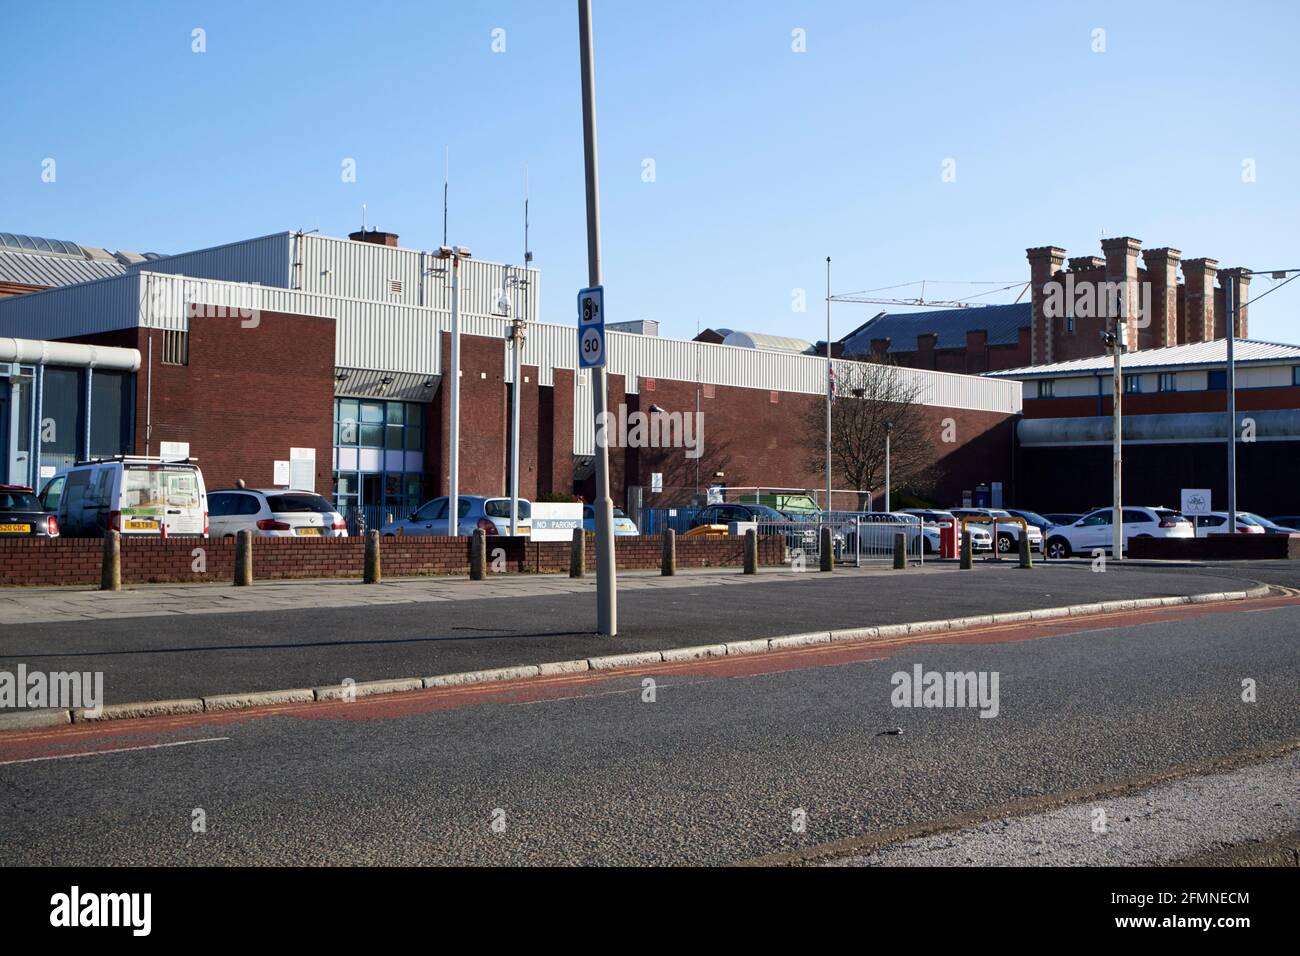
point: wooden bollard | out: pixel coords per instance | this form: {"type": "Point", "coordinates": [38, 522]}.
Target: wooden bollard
{"type": "Point", "coordinates": [578, 554]}
{"type": "Point", "coordinates": [751, 551]}
{"type": "Point", "coordinates": [828, 555]}
{"type": "Point", "coordinates": [668, 563]}
{"type": "Point", "coordinates": [1026, 556]}
{"type": "Point", "coordinates": [478, 555]}
{"type": "Point", "coordinates": [966, 561]}
{"type": "Point", "coordinates": [243, 559]}
{"type": "Point", "coordinates": [110, 575]}
{"type": "Point", "coordinates": [900, 551]}
{"type": "Point", "coordinates": [374, 573]}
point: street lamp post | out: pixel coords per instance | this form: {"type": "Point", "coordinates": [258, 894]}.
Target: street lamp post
{"type": "Point", "coordinates": [455, 254]}
{"type": "Point", "coordinates": [518, 332]}
{"type": "Point", "coordinates": [1115, 338]}
{"type": "Point", "coordinates": [829, 381]}
{"type": "Point", "coordinates": [1229, 310]}
{"type": "Point", "coordinates": [889, 427]}
{"type": "Point", "coordinates": [606, 573]}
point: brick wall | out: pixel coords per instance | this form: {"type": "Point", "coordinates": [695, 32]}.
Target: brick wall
{"type": "Point", "coordinates": [77, 561]}
{"type": "Point", "coordinates": [1218, 547]}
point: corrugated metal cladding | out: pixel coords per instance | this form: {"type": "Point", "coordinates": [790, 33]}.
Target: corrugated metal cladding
{"type": "Point", "coordinates": [584, 413]}
{"type": "Point", "coordinates": [100, 306]}
{"type": "Point", "coordinates": [264, 260]}
{"type": "Point", "coordinates": [367, 383]}
{"type": "Point", "coordinates": [24, 268]}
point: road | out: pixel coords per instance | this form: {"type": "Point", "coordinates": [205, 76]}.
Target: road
{"type": "Point", "coordinates": [718, 768]}
{"type": "Point", "coordinates": [417, 629]}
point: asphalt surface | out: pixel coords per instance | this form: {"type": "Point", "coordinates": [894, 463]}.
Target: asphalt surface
{"type": "Point", "coordinates": [158, 658]}
{"type": "Point", "coordinates": [714, 770]}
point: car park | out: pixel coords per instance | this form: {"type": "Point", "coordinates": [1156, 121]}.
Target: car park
{"type": "Point", "coordinates": [135, 496]}
{"type": "Point", "coordinates": [476, 512]}
{"type": "Point", "coordinates": [624, 527]}
{"type": "Point", "coordinates": [1008, 531]}
{"type": "Point", "coordinates": [1216, 522]}
{"type": "Point", "coordinates": [981, 538]}
{"type": "Point", "coordinates": [1093, 532]}
{"type": "Point", "coordinates": [23, 516]}
{"type": "Point", "coordinates": [273, 513]}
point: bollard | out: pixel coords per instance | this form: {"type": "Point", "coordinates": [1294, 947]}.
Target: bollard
{"type": "Point", "coordinates": [374, 573]}
{"type": "Point", "coordinates": [966, 563]}
{"type": "Point", "coordinates": [578, 554]}
{"type": "Point", "coordinates": [900, 551]}
{"type": "Point", "coordinates": [828, 556]}
{"type": "Point", "coordinates": [110, 575]}
{"type": "Point", "coordinates": [751, 551]}
{"type": "Point", "coordinates": [1026, 556]}
{"type": "Point", "coordinates": [668, 563]}
{"type": "Point", "coordinates": [478, 555]}
{"type": "Point", "coordinates": [243, 559]}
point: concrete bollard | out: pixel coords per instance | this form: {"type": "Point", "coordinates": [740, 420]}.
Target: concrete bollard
{"type": "Point", "coordinates": [828, 554]}
{"type": "Point", "coordinates": [966, 561]}
{"type": "Point", "coordinates": [374, 572]}
{"type": "Point", "coordinates": [1026, 556]}
{"type": "Point", "coordinates": [900, 551]}
{"type": "Point", "coordinates": [668, 563]}
{"type": "Point", "coordinates": [751, 551]}
{"type": "Point", "coordinates": [578, 554]}
{"type": "Point", "coordinates": [243, 559]}
{"type": "Point", "coordinates": [478, 555]}
{"type": "Point", "coordinates": [110, 575]}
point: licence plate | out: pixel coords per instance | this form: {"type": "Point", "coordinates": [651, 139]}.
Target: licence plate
{"type": "Point", "coordinates": [15, 529]}
{"type": "Point", "coordinates": [315, 531]}
{"type": "Point", "coordinates": [141, 524]}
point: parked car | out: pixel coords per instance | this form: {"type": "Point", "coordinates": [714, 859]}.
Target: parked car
{"type": "Point", "coordinates": [132, 495]}
{"type": "Point", "coordinates": [800, 529]}
{"type": "Point", "coordinates": [273, 513]}
{"type": "Point", "coordinates": [476, 511]}
{"type": "Point", "coordinates": [1040, 522]}
{"type": "Point", "coordinates": [1008, 532]}
{"type": "Point", "coordinates": [1216, 522]}
{"type": "Point", "coordinates": [1062, 518]}
{"type": "Point", "coordinates": [23, 516]}
{"type": "Point", "coordinates": [981, 538]}
{"type": "Point", "coordinates": [1270, 527]}
{"type": "Point", "coordinates": [1093, 531]}
{"type": "Point", "coordinates": [624, 527]}
{"type": "Point", "coordinates": [1287, 521]}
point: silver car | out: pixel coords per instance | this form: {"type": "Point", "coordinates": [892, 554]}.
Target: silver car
{"type": "Point", "coordinates": [476, 511]}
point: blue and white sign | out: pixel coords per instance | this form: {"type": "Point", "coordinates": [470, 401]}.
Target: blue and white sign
{"type": "Point", "coordinates": [591, 328]}
{"type": "Point", "coordinates": [555, 521]}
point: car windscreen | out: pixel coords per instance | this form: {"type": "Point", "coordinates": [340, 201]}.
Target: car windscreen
{"type": "Point", "coordinates": [154, 487]}
{"type": "Point", "coordinates": [19, 501]}
{"type": "Point", "coordinates": [500, 508]}
{"type": "Point", "coordinates": [299, 504]}
{"type": "Point", "coordinates": [1033, 517]}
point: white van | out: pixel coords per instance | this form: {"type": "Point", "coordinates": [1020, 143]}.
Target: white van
{"type": "Point", "coordinates": [131, 495]}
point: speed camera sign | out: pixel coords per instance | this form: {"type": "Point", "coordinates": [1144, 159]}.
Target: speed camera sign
{"type": "Point", "coordinates": [591, 328]}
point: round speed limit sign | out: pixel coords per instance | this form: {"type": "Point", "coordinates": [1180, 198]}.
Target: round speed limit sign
{"type": "Point", "coordinates": [592, 347]}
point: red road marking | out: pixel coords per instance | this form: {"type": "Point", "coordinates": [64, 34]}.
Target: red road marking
{"type": "Point", "coordinates": [527, 690]}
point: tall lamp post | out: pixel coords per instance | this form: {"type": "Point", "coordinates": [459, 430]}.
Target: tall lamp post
{"type": "Point", "coordinates": [456, 254]}
{"type": "Point", "coordinates": [829, 383]}
{"type": "Point", "coordinates": [518, 332]}
{"type": "Point", "coordinates": [606, 574]}
{"type": "Point", "coordinates": [889, 427]}
{"type": "Point", "coordinates": [1114, 339]}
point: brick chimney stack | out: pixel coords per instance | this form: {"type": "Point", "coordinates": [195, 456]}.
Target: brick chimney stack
{"type": "Point", "coordinates": [1198, 296]}
{"type": "Point", "coordinates": [374, 236]}
{"type": "Point", "coordinates": [1121, 267]}
{"type": "Point", "coordinates": [1044, 264]}
{"type": "Point", "coordinates": [1243, 300]}
{"type": "Point", "coordinates": [1162, 272]}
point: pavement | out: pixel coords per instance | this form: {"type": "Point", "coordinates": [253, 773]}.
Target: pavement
{"type": "Point", "coordinates": [711, 762]}
{"type": "Point", "coordinates": [184, 641]}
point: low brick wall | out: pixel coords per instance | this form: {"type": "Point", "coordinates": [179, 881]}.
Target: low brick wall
{"type": "Point", "coordinates": [1218, 547]}
{"type": "Point", "coordinates": [76, 561]}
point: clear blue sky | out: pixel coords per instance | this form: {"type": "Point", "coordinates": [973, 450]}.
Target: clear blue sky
{"type": "Point", "coordinates": [766, 160]}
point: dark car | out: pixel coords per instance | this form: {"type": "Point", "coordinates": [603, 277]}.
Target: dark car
{"type": "Point", "coordinates": [1287, 521]}
{"type": "Point", "coordinates": [727, 513]}
{"type": "Point", "coordinates": [1060, 519]}
{"type": "Point", "coordinates": [1041, 522]}
{"type": "Point", "coordinates": [22, 516]}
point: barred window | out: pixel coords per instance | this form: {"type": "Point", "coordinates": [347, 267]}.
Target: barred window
{"type": "Point", "coordinates": [175, 347]}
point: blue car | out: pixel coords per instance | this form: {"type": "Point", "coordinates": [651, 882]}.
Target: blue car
{"type": "Point", "coordinates": [476, 511]}
{"type": "Point", "coordinates": [624, 527]}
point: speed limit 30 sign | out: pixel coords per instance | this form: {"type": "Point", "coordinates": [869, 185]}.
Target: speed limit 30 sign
{"type": "Point", "coordinates": [591, 328]}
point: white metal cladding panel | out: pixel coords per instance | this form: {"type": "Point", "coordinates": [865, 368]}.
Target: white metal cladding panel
{"type": "Point", "coordinates": [100, 306]}
{"type": "Point", "coordinates": [264, 260]}
{"type": "Point", "coordinates": [584, 413]}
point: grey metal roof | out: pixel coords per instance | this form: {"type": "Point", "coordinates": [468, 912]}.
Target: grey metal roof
{"type": "Point", "coordinates": [1175, 356]}
{"type": "Point", "coordinates": [42, 269]}
{"type": "Point", "coordinates": [1002, 323]}
{"type": "Point", "coordinates": [12, 240]}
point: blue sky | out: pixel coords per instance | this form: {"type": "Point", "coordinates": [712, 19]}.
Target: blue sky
{"type": "Point", "coordinates": [766, 161]}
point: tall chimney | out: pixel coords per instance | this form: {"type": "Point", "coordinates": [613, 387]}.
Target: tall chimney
{"type": "Point", "coordinates": [1044, 263]}
{"type": "Point", "coordinates": [1243, 299]}
{"type": "Point", "coordinates": [1121, 267]}
{"type": "Point", "coordinates": [1198, 295]}
{"type": "Point", "coordinates": [1162, 272]}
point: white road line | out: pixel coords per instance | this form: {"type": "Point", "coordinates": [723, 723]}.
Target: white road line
{"type": "Point", "coordinates": [118, 750]}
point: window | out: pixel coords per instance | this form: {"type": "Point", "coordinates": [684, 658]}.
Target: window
{"type": "Point", "coordinates": [1168, 381]}
{"type": "Point", "coordinates": [1046, 388]}
{"type": "Point", "coordinates": [1216, 380]}
{"type": "Point", "coordinates": [175, 347]}
{"type": "Point", "coordinates": [500, 508]}
{"type": "Point", "coordinates": [1295, 374]}
{"type": "Point", "coordinates": [1069, 323]}
{"type": "Point", "coordinates": [1133, 385]}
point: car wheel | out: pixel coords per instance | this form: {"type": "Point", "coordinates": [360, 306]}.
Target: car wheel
{"type": "Point", "coordinates": [1006, 543]}
{"type": "Point", "coordinates": [1058, 548]}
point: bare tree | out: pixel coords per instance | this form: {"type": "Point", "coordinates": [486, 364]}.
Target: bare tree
{"type": "Point", "coordinates": [871, 397]}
